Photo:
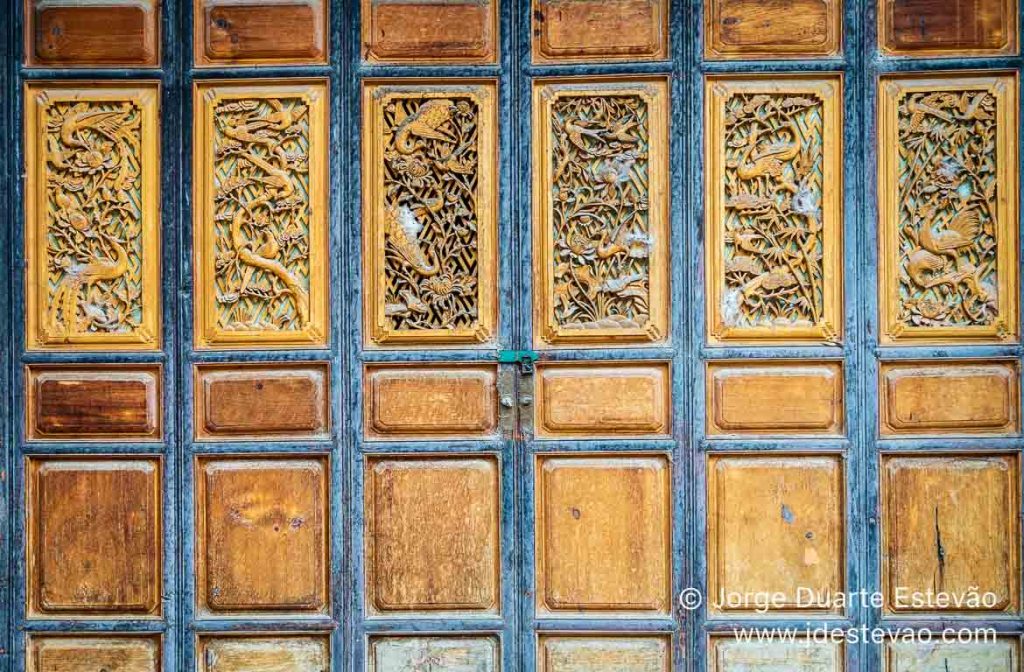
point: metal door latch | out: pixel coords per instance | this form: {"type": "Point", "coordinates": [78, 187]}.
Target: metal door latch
{"type": "Point", "coordinates": [524, 358]}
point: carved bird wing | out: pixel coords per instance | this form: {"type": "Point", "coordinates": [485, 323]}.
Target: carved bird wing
{"type": "Point", "coordinates": [961, 231]}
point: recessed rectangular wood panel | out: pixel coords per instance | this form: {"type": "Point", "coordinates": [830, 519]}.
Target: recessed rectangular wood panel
{"type": "Point", "coordinates": [113, 653]}
{"type": "Point", "coordinates": [432, 534]}
{"type": "Point", "coordinates": [258, 32]}
{"type": "Point", "coordinates": [602, 653]}
{"type": "Point", "coordinates": [1001, 655]}
{"type": "Point", "coordinates": [262, 401]}
{"type": "Point", "coordinates": [425, 31]}
{"type": "Point", "coordinates": [746, 29]}
{"type": "Point", "coordinates": [733, 655]}
{"type": "Point", "coordinates": [94, 537]}
{"type": "Point", "coordinates": [71, 402]}
{"type": "Point", "coordinates": [277, 653]}
{"type": "Point", "coordinates": [262, 535]}
{"type": "Point", "coordinates": [603, 399]}
{"type": "Point", "coordinates": [951, 527]}
{"type": "Point", "coordinates": [260, 222]}
{"type": "Point", "coordinates": [775, 398]}
{"type": "Point", "coordinates": [92, 219]}
{"type": "Point", "coordinates": [451, 654]}
{"type": "Point", "coordinates": [774, 149]}
{"type": "Point", "coordinates": [430, 238]}
{"type": "Point", "coordinates": [604, 530]}
{"type": "Point", "coordinates": [948, 263]}
{"type": "Point", "coordinates": [600, 30]}
{"type": "Point", "coordinates": [429, 402]}
{"type": "Point", "coordinates": [72, 33]}
{"type": "Point", "coordinates": [942, 28]}
{"type": "Point", "coordinates": [600, 212]}
{"type": "Point", "coordinates": [775, 526]}
{"type": "Point", "coordinates": [949, 397]}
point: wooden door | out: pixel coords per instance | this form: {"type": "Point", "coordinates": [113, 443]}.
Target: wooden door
{"type": "Point", "coordinates": [555, 335]}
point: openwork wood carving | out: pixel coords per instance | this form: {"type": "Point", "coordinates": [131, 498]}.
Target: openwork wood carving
{"type": "Point", "coordinates": [261, 257]}
{"type": "Point", "coordinates": [948, 218]}
{"type": "Point", "coordinates": [600, 212]}
{"type": "Point", "coordinates": [773, 209]}
{"type": "Point", "coordinates": [92, 218]}
{"type": "Point", "coordinates": [429, 251]}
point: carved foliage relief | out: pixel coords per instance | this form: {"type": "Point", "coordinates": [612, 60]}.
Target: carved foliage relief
{"type": "Point", "coordinates": [430, 205]}
{"type": "Point", "coordinates": [261, 257]}
{"type": "Point", "coordinates": [600, 227]}
{"type": "Point", "coordinates": [92, 217]}
{"type": "Point", "coordinates": [774, 210]}
{"type": "Point", "coordinates": [948, 208]}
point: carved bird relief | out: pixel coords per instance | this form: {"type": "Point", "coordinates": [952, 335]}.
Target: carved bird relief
{"type": "Point", "coordinates": [427, 123]}
{"type": "Point", "coordinates": [402, 229]}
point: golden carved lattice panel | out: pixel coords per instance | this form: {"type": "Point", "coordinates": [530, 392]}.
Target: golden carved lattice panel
{"type": "Point", "coordinates": [774, 208]}
{"type": "Point", "coordinates": [92, 230]}
{"type": "Point", "coordinates": [600, 216]}
{"type": "Point", "coordinates": [429, 248]}
{"type": "Point", "coordinates": [947, 189]}
{"type": "Point", "coordinates": [261, 213]}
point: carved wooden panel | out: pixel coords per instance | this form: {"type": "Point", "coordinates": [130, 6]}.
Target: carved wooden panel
{"type": "Point", "coordinates": [949, 397]}
{"type": "Point", "coordinates": [603, 535]}
{"type": "Point", "coordinates": [279, 32]}
{"type": "Point", "coordinates": [734, 655]}
{"type": "Point", "coordinates": [429, 208]}
{"type": "Point", "coordinates": [600, 30]}
{"type": "Point", "coordinates": [775, 397]}
{"type": "Point", "coordinates": [277, 653]}
{"type": "Point", "coordinates": [947, 184]}
{"type": "Point", "coordinates": [262, 401]}
{"type": "Point", "coordinates": [430, 402]}
{"type": "Point", "coordinates": [451, 654]}
{"type": "Point", "coordinates": [977, 656]}
{"type": "Point", "coordinates": [432, 534]}
{"type": "Point", "coordinates": [600, 212]}
{"type": "Point", "coordinates": [951, 526]}
{"type": "Point", "coordinates": [72, 33]}
{"type": "Point", "coordinates": [92, 218]}
{"type": "Point", "coordinates": [746, 29]}
{"type": "Point", "coordinates": [923, 28]}
{"type": "Point", "coordinates": [565, 653]}
{"type": "Point", "coordinates": [113, 653]}
{"type": "Point", "coordinates": [69, 402]}
{"type": "Point", "coordinates": [423, 31]}
{"type": "Point", "coordinates": [775, 526]}
{"type": "Point", "coordinates": [109, 567]}
{"type": "Point", "coordinates": [602, 399]}
{"type": "Point", "coordinates": [773, 251]}
{"type": "Point", "coordinates": [261, 530]}
{"type": "Point", "coordinates": [260, 228]}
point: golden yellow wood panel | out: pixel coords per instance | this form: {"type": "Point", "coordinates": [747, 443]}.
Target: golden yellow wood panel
{"type": "Point", "coordinates": [71, 33]}
{"type": "Point", "coordinates": [733, 655]}
{"type": "Point", "coordinates": [745, 29]}
{"type": "Point", "coordinates": [262, 535]}
{"type": "Point", "coordinates": [429, 212]}
{"type": "Point", "coordinates": [270, 653]}
{"type": "Point", "coordinates": [603, 399]}
{"type": "Point", "coordinates": [262, 402]}
{"type": "Point", "coordinates": [260, 223]}
{"type": "Point", "coordinates": [567, 31]}
{"type": "Point", "coordinates": [922, 28]}
{"type": "Point", "coordinates": [949, 397]}
{"type": "Point", "coordinates": [452, 654]}
{"type": "Point", "coordinates": [603, 535]}
{"type": "Point", "coordinates": [113, 653]}
{"type": "Point", "coordinates": [774, 224]}
{"type": "Point", "coordinates": [1001, 655]}
{"type": "Point", "coordinates": [775, 397]}
{"type": "Point", "coordinates": [775, 527]}
{"type": "Point", "coordinates": [600, 212]}
{"type": "Point", "coordinates": [423, 31]}
{"type": "Point", "coordinates": [951, 528]}
{"type": "Point", "coordinates": [92, 215]}
{"type": "Point", "coordinates": [94, 537]}
{"type": "Point", "coordinates": [947, 190]}
{"type": "Point", "coordinates": [432, 534]}
{"type": "Point", "coordinates": [274, 32]}
{"type": "Point", "coordinates": [593, 653]}
{"type": "Point", "coordinates": [430, 402]}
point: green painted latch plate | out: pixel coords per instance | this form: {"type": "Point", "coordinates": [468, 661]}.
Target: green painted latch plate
{"type": "Point", "coordinates": [524, 358]}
